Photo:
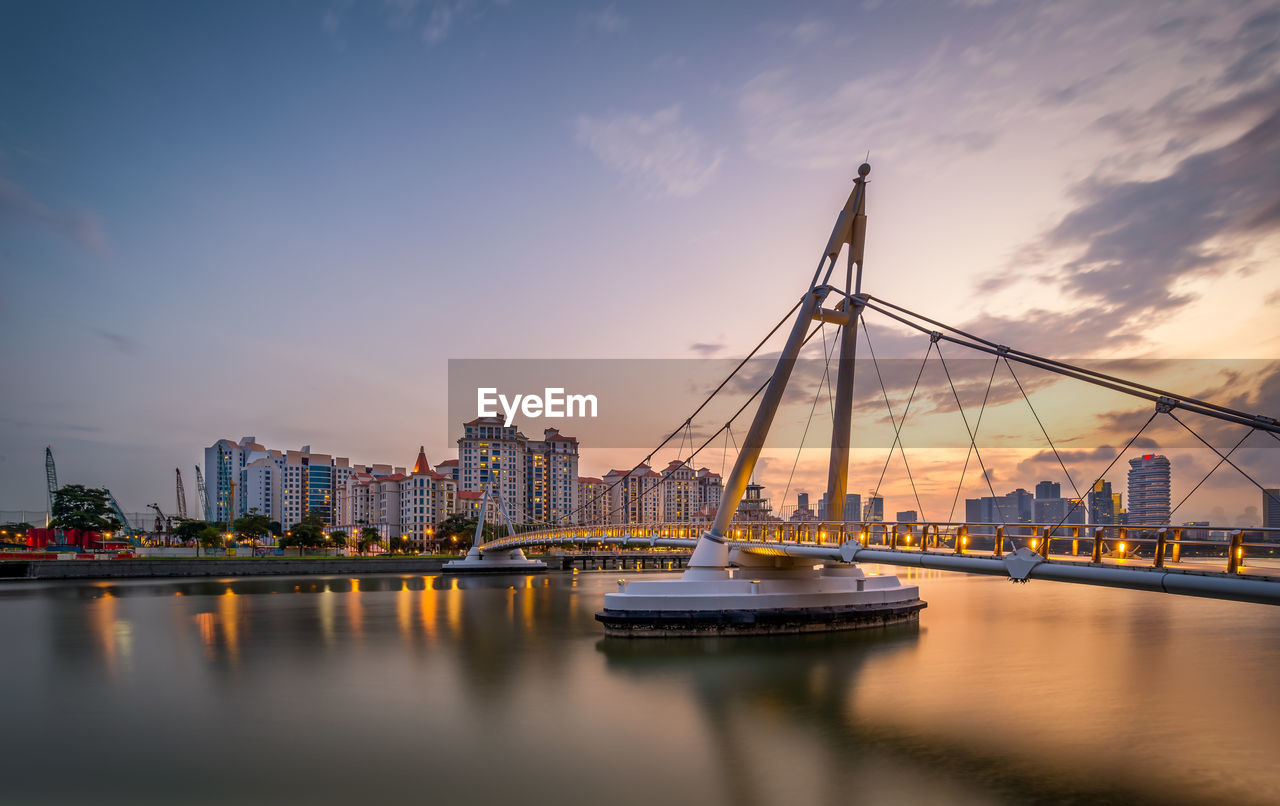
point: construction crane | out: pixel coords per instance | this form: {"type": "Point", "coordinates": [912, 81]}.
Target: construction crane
{"type": "Point", "coordinates": [51, 475]}
{"type": "Point", "coordinates": [125, 527]}
{"type": "Point", "coordinates": [203, 494]}
{"type": "Point", "coordinates": [182, 495]}
{"type": "Point", "coordinates": [162, 520]}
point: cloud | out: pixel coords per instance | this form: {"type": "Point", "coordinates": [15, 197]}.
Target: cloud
{"type": "Point", "coordinates": [655, 151]}
{"type": "Point", "coordinates": [606, 20]}
{"type": "Point", "coordinates": [706, 349]}
{"type": "Point", "coordinates": [438, 23]}
{"type": "Point", "coordinates": [20, 207]}
{"type": "Point", "coordinates": [797, 123]}
{"type": "Point", "coordinates": [119, 341]}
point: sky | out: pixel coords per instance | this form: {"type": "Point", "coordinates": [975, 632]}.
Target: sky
{"type": "Point", "coordinates": [284, 219]}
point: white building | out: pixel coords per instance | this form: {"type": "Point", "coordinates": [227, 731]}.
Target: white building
{"type": "Point", "coordinates": [709, 487]}
{"type": "Point", "coordinates": [636, 497]}
{"type": "Point", "coordinates": [491, 453]}
{"type": "Point", "coordinates": [592, 502]}
{"type": "Point", "coordinates": [679, 498]}
{"type": "Point", "coordinates": [426, 498]}
{"type": "Point", "coordinates": [551, 478]}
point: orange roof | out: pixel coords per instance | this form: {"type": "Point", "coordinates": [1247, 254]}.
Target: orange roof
{"type": "Point", "coordinates": [448, 463]}
{"type": "Point", "coordinates": [421, 465]}
{"type": "Point", "coordinates": [469, 494]}
{"type": "Point", "coordinates": [589, 480]}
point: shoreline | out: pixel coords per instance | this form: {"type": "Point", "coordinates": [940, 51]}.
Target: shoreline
{"type": "Point", "coordinates": [161, 567]}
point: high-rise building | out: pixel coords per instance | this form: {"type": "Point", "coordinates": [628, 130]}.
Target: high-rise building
{"type": "Point", "coordinates": [1048, 489]}
{"type": "Point", "coordinates": [491, 454]}
{"type": "Point", "coordinates": [633, 496]}
{"type": "Point", "coordinates": [907, 516]}
{"type": "Point", "coordinates": [1149, 482]}
{"type": "Point", "coordinates": [679, 494]}
{"type": "Point", "coordinates": [1015, 506]}
{"type": "Point", "coordinates": [802, 500]}
{"type": "Point", "coordinates": [709, 486]}
{"type": "Point", "coordinates": [593, 503]}
{"type": "Point", "coordinates": [874, 510]}
{"type": "Point", "coordinates": [426, 498]}
{"type": "Point", "coordinates": [551, 478]}
{"type": "Point", "coordinates": [1102, 508]}
{"type": "Point", "coordinates": [1271, 507]}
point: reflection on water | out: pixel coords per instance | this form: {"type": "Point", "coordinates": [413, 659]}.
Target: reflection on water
{"type": "Point", "coordinates": [337, 689]}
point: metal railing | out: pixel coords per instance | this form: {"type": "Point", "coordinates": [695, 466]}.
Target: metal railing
{"type": "Point", "coordinates": [1159, 547]}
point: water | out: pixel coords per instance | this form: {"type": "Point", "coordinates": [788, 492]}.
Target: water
{"type": "Point", "coordinates": [434, 690]}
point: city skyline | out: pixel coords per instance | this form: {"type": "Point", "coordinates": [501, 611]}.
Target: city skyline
{"type": "Point", "coordinates": [259, 245]}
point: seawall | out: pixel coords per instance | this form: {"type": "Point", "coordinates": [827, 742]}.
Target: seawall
{"type": "Point", "coordinates": [214, 567]}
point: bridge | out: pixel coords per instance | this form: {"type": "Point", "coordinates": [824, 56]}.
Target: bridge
{"type": "Point", "coordinates": [1161, 559]}
{"type": "Point", "coordinates": [748, 566]}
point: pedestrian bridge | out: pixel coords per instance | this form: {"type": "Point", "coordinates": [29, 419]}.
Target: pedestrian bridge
{"type": "Point", "coordinates": [1171, 559]}
{"type": "Point", "coordinates": [1244, 567]}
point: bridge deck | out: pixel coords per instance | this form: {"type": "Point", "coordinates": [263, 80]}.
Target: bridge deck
{"type": "Point", "coordinates": [1162, 559]}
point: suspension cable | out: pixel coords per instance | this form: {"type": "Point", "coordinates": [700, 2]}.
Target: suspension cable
{"type": "Point", "coordinates": [978, 424]}
{"type": "Point", "coordinates": [708, 441]}
{"type": "Point", "coordinates": [1224, 458]}
{"type": "Point", "coordinates": [973, 439]}
{"type": "Point", "coordinates": [696, 411]}
{"type": "Point", "coordinates": [817, 394]}
{"type": "Point", "coordinates": [1052, 447]}
{"type": "Point", "coordinates": [897, 425]}
{"type": "Point", "coordinates": [1107, 469]}
{"type": "Point", "coordinates": [1247, 434]}
{"type": "Point", "coordinates": [1131, 388]}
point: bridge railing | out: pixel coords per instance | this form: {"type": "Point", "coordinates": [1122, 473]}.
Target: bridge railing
{"type": "Point", "coordinates": [1154, 546]}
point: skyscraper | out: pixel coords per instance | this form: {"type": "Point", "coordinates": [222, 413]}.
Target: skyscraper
{"type": "Point", "coordinates": [1102, 508]}
{"type": "Point", "coordinates": [1048, 489]}
{"type": "Point", "coordinates": [1271, 507]}
{"type": "Point", "coordinates": [1149, 480]}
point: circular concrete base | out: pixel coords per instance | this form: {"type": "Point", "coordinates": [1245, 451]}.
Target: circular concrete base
{"type": "Point", "coordinates": [695, 623]}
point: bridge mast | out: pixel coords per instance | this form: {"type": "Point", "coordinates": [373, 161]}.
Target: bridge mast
{"type": "Point", "coordinates": [853, 230]}
{"type": "Point", "coordinates": [710, 558]}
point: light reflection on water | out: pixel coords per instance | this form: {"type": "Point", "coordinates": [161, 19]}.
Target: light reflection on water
{"type": "Point", "coordinates": [326, 690]}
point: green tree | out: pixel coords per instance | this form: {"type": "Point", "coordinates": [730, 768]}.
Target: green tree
{"type": "Point", "coordinates": [338, 538]}
{"type": "Point", "coordinates": [369, 538]}
{"type": "Point", "coordinates": [211, 537]}
{"type": "Point", "coordinates": [78, 507]}
{"type": "Point", "coordinates": [304, 534]}
{"type": "Point", "coordinates": [253, 527]}
{"type": "Point", "coordinates": [401, 545]}
{"type": "Point", "coordinates": [275, 528]}
{"type": "Point", "coordinates": [190, 529]}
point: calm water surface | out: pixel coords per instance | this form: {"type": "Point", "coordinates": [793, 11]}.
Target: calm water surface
{"type": "Point", "coordinates": [422, 689]}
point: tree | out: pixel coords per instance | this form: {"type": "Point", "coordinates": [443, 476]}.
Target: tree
{"type": "Point", "coordinates": [275, 528]}
{"type": "Point", "coordinates": [78, 507]}
{"type": "Point", "coordinates": [211, 537]}
{"type": "Point", "coordinates": [253, 527]}
{"type": "Point", "coordinates": [190, 529]}
{"type": "Point", "coordinates": [338, 538]}
{"type": "Point", "coordinates": [401, 545]}
{"type": "Point", "coordinates": [369, 538]}
{"type": "Point", "coordinates": [304, 534]}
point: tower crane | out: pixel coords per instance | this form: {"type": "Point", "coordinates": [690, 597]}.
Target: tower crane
{"type": "Point", "coordinates": [203, 495]}
{"type": "Point", "coordinates": [51, 475]}
{"type": "Point", "coordinates": [162, 520]}
{"type": "Point", "coordinates": [182, 495]}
